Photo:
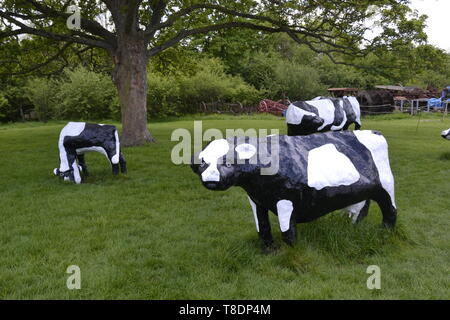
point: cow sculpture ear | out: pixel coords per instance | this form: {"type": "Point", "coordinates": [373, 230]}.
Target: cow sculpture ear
{"type": "Point", "coordinates": [245, 151]}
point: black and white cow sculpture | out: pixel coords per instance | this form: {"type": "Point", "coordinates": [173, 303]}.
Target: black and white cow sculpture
{"type": "Point", "coordinates": [316, 175]}
{"type": "Point", "coordinates": [446, 134]}
{"type": "Point", "coordinates": [322, 114]}
{"type": "Point", "coordinates": [77, 138]}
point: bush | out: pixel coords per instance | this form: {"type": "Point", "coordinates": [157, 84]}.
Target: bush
{"type": "Point", "coordinates": [210, 83]}
{"type": "Point", "coordinates": [163, 97]}
{"type": "Point", "coordinates": [42, 94]}
{"type": "Point", "coordinates": [83, 94]}
{"type": "Point", "coordinates": [175, 94]}
{"type": "Point", "coordinates": [3, 106]}
{"type": "Point", "coordinates": [298, 82]}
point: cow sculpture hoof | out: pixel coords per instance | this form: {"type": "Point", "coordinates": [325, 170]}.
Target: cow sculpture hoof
{"type": "Point", "coordinates": [303, 177]}
{"type": "Point", "coordinates": [446, 134]}
{"type": "Point", "coordinates": [77, 138]}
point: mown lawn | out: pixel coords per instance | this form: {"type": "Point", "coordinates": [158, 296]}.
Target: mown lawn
{"type": "Point", "coordinates": [156, 233]}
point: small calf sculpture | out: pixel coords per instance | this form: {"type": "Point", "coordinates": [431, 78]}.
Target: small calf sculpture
{"type": "Point", "coordinates": [77, 138]}
{"type": "Point", "coordinates": [446, 134]}
{"type": "Point", "coordinates": [316, 175]}
{"type": "Point", "coordinates": [322, 114]}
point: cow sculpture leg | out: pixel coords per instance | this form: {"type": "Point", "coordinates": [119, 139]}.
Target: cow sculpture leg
{"type": "Point", "coordinates": [82, 163]}
{"type": "Point", "coordinates": [387, 209]}
{"type": "Point", "coordinates": [265, 233]}
{"type": "Point", "coordinates": [114, 160]}
{"type": "Point", "coordinates": [288, 224]}
{"type": "Point", "coordinates": [123, 163]}
{"type": "Point", "coordinates": [73, 165]}
{"type": "Point", "coordinates": [262, 222]}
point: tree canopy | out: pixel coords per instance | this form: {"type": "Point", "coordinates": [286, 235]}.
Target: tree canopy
{"type": "Point", "coordinates": [132, 32]}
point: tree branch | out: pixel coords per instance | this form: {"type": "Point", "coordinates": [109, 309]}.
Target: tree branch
{"type": "Point", "coordinates": [186, 33]}
{"type": "Point", "coordinates": [40, 65]}
{"type": "Point", "coordinates": [91, 26]}
{"type": "Point", "coordinates": [81, 39]}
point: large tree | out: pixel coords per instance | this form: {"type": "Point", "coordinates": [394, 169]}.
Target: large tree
{"type": "Point", "coordinates": [133, 31]}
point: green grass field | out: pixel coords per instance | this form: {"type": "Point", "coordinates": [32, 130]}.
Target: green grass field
{"type": "Point", "coordinates": [157, 233]}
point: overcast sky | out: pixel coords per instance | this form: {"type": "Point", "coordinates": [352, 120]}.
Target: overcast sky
{"type": "Point", "coordinates": [438, 12]}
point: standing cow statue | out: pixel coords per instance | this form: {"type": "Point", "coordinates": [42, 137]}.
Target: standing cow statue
{"type": "Point", "coordinates": [322, 114]}
{"type": "Point", "coordinates": [446, 134]}
{"type": "Point", "coordinates": [316, 175]}
{"type": "Point", "coordinates": [77, 138]}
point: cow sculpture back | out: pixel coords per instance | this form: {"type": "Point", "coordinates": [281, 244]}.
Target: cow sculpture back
{"type": "Point", "coordinates": [322, 114]}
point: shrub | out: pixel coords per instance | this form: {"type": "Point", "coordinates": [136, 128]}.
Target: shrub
{"type": "Point", "coordinates": [3, 106]}
{"type": "Point", "coordinates": [41, 93]}
{"type": "Point", "coordinates": [210, 83]}
{"type": "Point", "coordinates": [163, 97]}
{"type": "Point", "coordinates": [298, 82]}
{"type": "Point", "coordinates": [83, 94]}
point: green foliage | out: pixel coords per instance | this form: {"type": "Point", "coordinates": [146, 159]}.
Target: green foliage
{"type": "Point", "coordinates": [3, 105]}
{"type": "Point", "coordinates": [210, 83]}
{"type": "Point", "coordinates": [84, 94]}
{"type": "Point", "coordinates": [163, 98]}
{"type": "Point", "coordinates": [42, 93]}
{"type": "Point", "coordinates": [296, 81]}
{"type": "Point", "coordinates": [175, 93]}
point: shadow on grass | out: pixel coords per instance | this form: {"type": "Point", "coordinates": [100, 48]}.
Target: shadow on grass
{"type": "Point", "coordinates": [445, 156]}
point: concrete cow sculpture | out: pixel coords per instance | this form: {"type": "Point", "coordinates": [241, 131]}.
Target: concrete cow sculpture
{"type": "Point", "coordinates": [77, 138]}
{"type": "Point", "coordinates": [316, 175]}
{"type": "Point", "coordinates": [446, 134]}
{"type": "Point", "coordinates": [321, 115]}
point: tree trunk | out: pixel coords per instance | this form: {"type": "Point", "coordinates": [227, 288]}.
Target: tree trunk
{"type": "Point", "coordinates": [130, 77]}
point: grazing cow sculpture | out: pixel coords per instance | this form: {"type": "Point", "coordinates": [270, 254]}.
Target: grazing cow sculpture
{"type": "Point", "coordinates": [322, 114]}
{"type": "Point", "coordinates": [446, 134]}
{"type": "Point", "coordinates": [316, 175]}
{"type": "Point", "coordinates": [77, 138]}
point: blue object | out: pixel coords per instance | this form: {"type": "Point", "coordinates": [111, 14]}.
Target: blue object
{"type": "Point", "coordinates": [435, 103]}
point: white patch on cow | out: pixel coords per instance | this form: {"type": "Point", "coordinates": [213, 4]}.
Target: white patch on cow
{"type": "Point", "coordinates": [326, 111]}
{"type": "Point", "coordinates": [294, 114]}
{"type": "Point", "coordinates": [115, 158]}
{"type": "Point", "coordinates": [255, 215]}
{"type": "Point", "coordinates": [378, 147]}
{"type": "Point", "coordinates": [356, 108]}
{"type": "Point", "coordinates": [215, 150]}
{"type": "Point", "coordinates": [354, 210]}
{"type": "Point", "coordinates": [284, 210]}
{"type": "Point", "coordinates": [327, 167]}
{"type": "Point", "coordinates": [72, 129]}
{"type": "Point", "coordinates": [446, 134]}
{"type": "Point", "coordinates": [245, 151]}
{"type": "Point", "coordinates": [344, 120]}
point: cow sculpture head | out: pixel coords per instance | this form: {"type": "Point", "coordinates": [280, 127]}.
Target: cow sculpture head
{"type": "Point", "coordinates": [446, 134]}
{"type": "Point", "coordinates": [222, 163]}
